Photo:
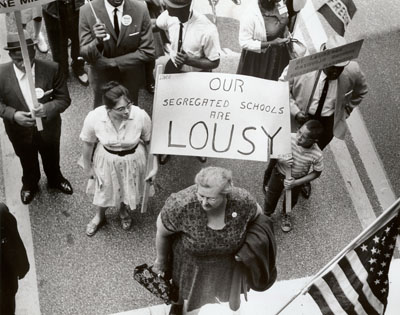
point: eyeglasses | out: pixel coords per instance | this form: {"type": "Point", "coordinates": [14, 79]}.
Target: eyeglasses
{"type": "Point", "coordinates": [122, 109]}
{"type": "Point", "coordinates": [201, 197]}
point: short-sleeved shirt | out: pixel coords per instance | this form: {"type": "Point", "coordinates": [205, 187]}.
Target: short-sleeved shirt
{"type": "Point", "coordinates": [304, 159]}
{"type": "Point", "coordinates": [98, 127]}
{"type": "Point", "coordinates": [183, 213]}
{"type": "Point", "coordinates": [199, 36]}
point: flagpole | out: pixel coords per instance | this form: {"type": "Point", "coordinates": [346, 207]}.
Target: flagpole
{"type": "Point", "coordinates": [383, 219]}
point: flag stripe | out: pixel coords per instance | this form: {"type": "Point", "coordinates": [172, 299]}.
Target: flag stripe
{"type": "Point", "coordinates": [347, 287]}
{"type": "Point", "coordinates": [320, 300]}
{"type": "Point", "coordinates": [351, 7]}
{"type": "Point", "coordinates": [332, 19]}
{"type": "Point", "coordinates": [330, 299]}
{"type": "Point", "coordinates": [357, 285]}
{"type": "Point", "coordinates": [357, 276]}
{"type": "Point", "coordinates": [341, 297]}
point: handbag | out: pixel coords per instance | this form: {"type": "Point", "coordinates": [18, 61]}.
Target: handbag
{"type": "Point", "coordinates": [296, 48]}
{"type": "Point", "coordinates": [160, 286]}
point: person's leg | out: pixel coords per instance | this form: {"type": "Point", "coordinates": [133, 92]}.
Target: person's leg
{"type": "Point", "coordinates": [37, 27]}
{"type": "Point", "coordinates": [126, 220]}
{"type": "Point", "coordinates": [149, 69]}
{"type": "Point", "coordinates": [49, 149]}
{"type": "Point", "coordinates": [58, 42]}
{"type": "Point", "coordinates": [273, 192]}
{"type": "Point", "coordinates": [28, 156]}
{"type": "Point", "coordinates": [8, 290]}
{"type": "Point", "coordinates": [97, 222]}
{"type": "Point", "coordinates": [97, 78]}
{"type": "Point", "coordinates": [78, 63]}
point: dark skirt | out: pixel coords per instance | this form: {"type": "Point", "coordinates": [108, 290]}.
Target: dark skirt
{"type": "Point", "coordinates": [201, 279]}
{"type": "Point", "coordinates": [265, 65]}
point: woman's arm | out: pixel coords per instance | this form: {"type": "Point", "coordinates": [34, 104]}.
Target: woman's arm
{"type": "Point", "coordinates": [154, 169]}
{"type": "Point", "coordinates": [163, 246]}
{"type": "Point", "coordinates": [87, 157]}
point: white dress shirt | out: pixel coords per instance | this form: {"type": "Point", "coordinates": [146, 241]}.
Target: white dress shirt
{"type": "Point", "coordinates": [24, 85]}
{"type": "Point", "coordinates": [110, 11]}
{"type": "Point", "coordinates": [329, 105]}
{"type": "Point", "coordinates": [199, 36]}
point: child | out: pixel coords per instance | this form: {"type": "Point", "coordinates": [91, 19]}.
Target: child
{"type": "Point", "coordinates": [306, 155]}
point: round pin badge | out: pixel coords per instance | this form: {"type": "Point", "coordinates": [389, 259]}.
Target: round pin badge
{"type": "Point", "coordinates": [126, 20]}
{"type": "Point", "coordinates": [39, 93]}
{"type": "Point", "coordinates": [234, 214]}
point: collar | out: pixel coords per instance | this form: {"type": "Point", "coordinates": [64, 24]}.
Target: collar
{"type": "Point", "coordinates": [20, 74]}
{"type": "Point", "coordinates": [110, 8]}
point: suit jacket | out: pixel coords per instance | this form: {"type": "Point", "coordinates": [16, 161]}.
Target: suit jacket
{"type": "Point", "coordinates": [256, 269]}
{"type": "Point", "coordinates": [13, 259]}
{"type": "Point", "coordinates": [134, 45]}
{"type": "Point", "coordinates": [55, 101]}
{"type": "Point", "coordinates": [351, 89]}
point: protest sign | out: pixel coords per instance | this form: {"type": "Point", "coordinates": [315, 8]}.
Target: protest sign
{"type": "Point", "coordinates": [323, 59]}
{"type": "Point", "coordinates": [18, 5]}
{"type": "Point", "coordinates": [221, 115]}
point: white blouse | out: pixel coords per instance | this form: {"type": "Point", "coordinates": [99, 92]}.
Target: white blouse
{"type": "Point", "coordinates": [98, 127]}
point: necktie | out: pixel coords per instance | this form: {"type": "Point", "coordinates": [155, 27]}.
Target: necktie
{"type": "Point", "coordinates": [180, 37]}
{"type": "Point", "coordinates": [116, 25]}
{"type": "Point", "coordinates": [322, 99]}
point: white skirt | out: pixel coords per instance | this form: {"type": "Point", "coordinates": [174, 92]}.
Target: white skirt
{"type": "Point", "coordinates": [119, 178]}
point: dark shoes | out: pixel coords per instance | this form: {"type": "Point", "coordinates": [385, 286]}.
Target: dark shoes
{"type": "Point", "coordinates": [286, 223]}
{"type": "Point", "coordinates": [202, 159]}
{"type": "Point", "coordinates": [78, 67]}
{"type": "Point", "coordinates": [176, 309]}
{"type": "Point", "coordinates": [27, 195]}
{"type": "Point", "coordinates": [163, 159]}
{"type": "Point", "coordinates": [150, 88]}
{"type": "Point", "coordinates": [63, 185]}
{"type": "Point", "coordinates": [306, 190]}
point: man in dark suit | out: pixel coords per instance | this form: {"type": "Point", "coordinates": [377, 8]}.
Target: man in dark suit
{"type": "Point", "coordinates": [16, 109]}
{"type": "Point", "coordinates": [14, 263]}
{"type": "Point", "coordinates": [117, 44]}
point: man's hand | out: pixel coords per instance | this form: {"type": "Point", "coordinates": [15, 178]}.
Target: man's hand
{"type": "Point", "coordinates": [40, 111]}
{"type": "Point", "coordinates": [301, 118]}
{"type": "Point", "coordinates": [181, 59]}
{"type": "Point", "coordinates": [99, 30]}
{"type": "Point", "coordinates": [24, 119]}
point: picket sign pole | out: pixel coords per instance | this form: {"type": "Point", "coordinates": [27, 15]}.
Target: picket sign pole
{"type": "Point", "coordinates": [374, 227]}
{"type": "Point", "coordinates": [150, 156]}
{"type": "Point", "coordinates": [28, 68]}
{"type": "Point", "coordinates": [288, 193]}
{"type": "Point", "coordinates": [313, 91]}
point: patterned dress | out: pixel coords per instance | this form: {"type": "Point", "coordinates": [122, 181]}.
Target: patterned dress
{"type": "Point", "coordinates": [203, 258]}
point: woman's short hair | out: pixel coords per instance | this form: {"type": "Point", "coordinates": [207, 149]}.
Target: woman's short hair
{"type": "Point", "coordinates": [213, 176]}
{"type": "Point", "coordinates": [112, 92]}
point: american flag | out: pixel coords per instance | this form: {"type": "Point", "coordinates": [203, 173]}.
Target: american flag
{"type": "Point", "coordinates": [338, 14]}
{"type": "Point", "coordinates": [358, 282]}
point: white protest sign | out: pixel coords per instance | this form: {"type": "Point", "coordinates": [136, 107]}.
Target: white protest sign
{"type": "Point", "coordinates": [221, 115]}
{"type": "Point", "coordinates": [18, 5]}
{"type": "Point", "coordinates": [323, 59]}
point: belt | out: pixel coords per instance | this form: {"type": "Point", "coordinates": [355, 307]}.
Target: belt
{"type": "Point", "coordinates": [122, 153]}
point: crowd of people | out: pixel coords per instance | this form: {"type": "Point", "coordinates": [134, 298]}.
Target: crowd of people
{"type": "Point", "coordinates": [204, 232]}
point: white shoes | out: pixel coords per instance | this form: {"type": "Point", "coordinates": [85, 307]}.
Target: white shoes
{"type": "Point", "coordinates": [41, 44]}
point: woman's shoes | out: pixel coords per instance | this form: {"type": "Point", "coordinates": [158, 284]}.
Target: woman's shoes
{"type": "Point", "coordinates": [92, 227]}
{"type": "Point", "coordinates": [126, 223]}
{"type": "Point", "coordinates": [176, 309]}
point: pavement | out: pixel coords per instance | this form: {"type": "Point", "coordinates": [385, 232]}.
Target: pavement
{"type": "Point", "coordinates": [74, 274]}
